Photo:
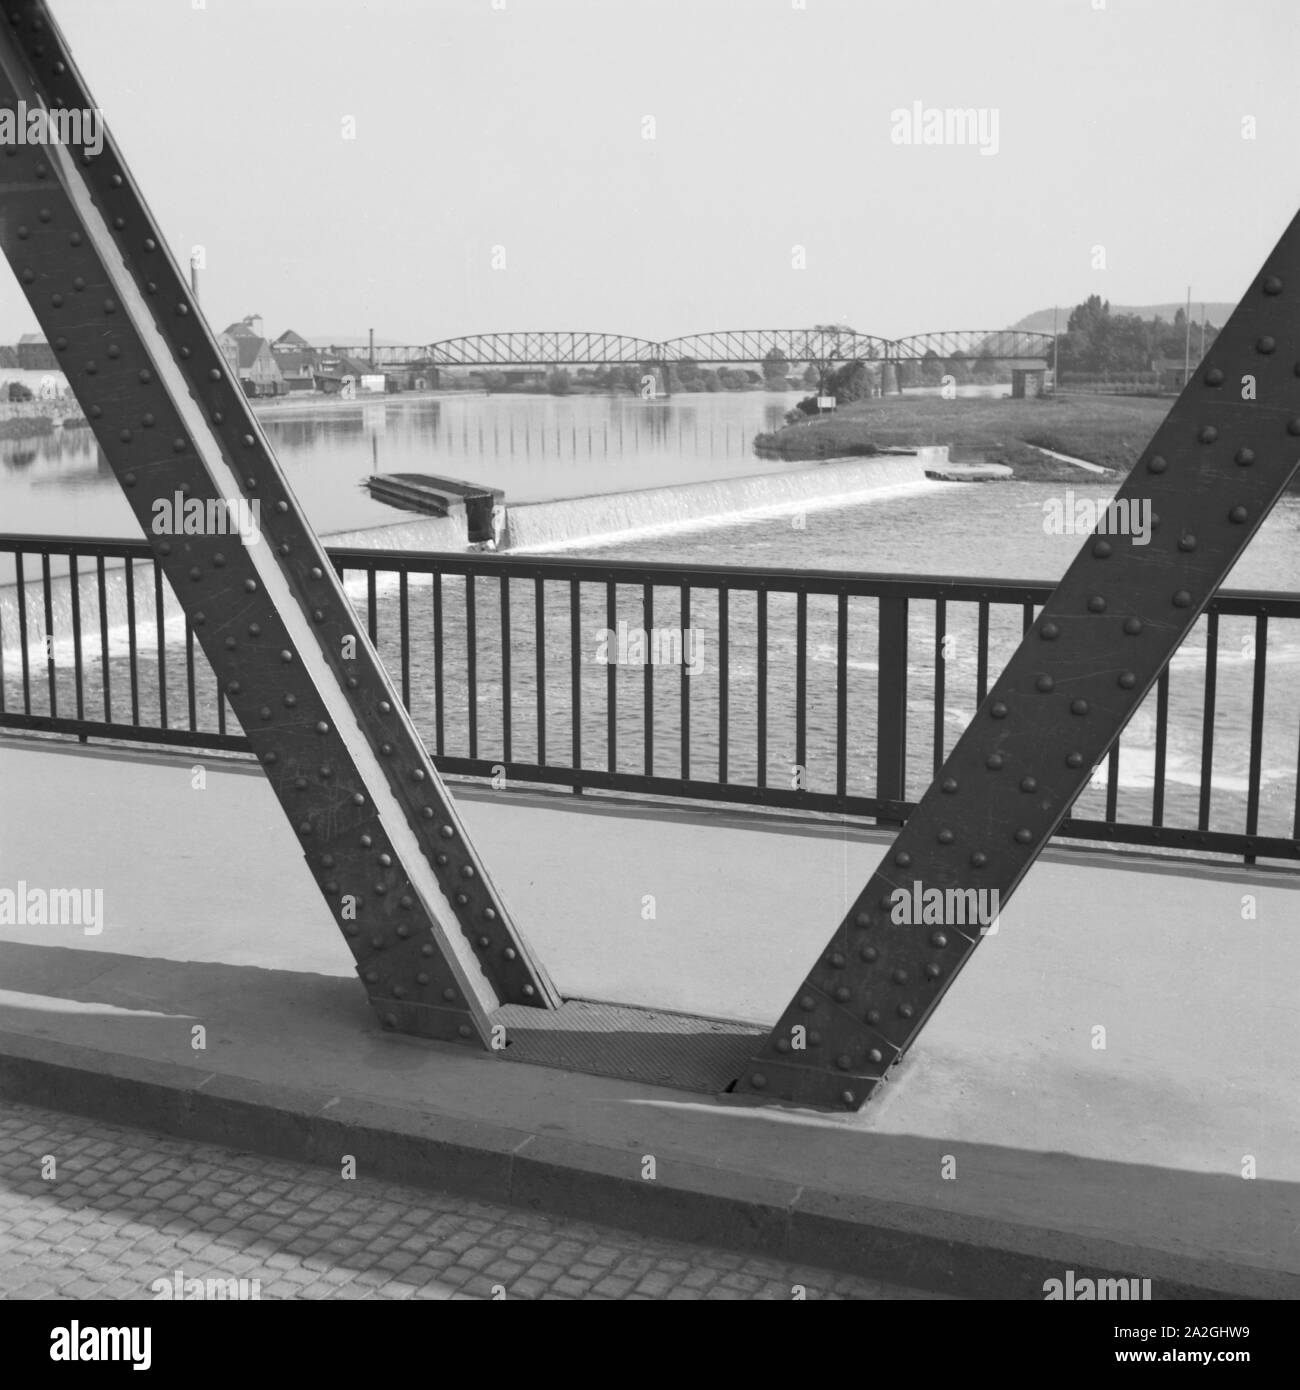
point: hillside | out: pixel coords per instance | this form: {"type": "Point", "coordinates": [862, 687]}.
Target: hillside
{"type": "Point", "coordinates": [1041, 320]}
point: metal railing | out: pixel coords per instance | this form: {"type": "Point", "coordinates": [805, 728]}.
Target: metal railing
{"type": "Point", "coordinates": [818, 690]}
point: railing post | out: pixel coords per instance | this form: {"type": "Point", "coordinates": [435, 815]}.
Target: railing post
{"type": "Point", "coordinates": [891, 704]}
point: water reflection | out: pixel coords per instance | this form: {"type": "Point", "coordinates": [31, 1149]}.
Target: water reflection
{"type": "Point", "coordinates": [534, 447]}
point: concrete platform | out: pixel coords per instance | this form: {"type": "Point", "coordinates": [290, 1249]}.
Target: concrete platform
{"type": "Point", "coordinates": [1009, 1148]}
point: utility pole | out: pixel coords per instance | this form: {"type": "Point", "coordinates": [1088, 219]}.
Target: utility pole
{"type": "Point", "coordinates": [372, 349]}
{"type": "Point", "coordinates": [1187, 337]}
{"type": "Point", "coordinates": [1202, 357]}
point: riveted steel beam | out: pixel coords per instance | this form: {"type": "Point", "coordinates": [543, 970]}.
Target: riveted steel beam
{"type": "Point", "coordinates": [434, 944]}
{"type": "Point", "coordinates": [1214, 468]}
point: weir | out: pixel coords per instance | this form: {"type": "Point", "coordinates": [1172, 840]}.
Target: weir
{"type": "Point", "coordinates": [610, 516]}
{"type": "Point", "coordinates": [567, 523]}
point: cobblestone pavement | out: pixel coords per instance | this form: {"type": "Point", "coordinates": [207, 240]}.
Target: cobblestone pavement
{"type": "Point", "coordinates": [124, 1207]}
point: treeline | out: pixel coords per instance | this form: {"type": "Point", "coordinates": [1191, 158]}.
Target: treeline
{"type": "Point", "coordinates": [683, 375]}
{"type": "Point", "coordinates": [1099, 343]}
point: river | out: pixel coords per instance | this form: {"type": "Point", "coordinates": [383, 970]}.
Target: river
{"type": "Point", "coordinates": [543, 447]}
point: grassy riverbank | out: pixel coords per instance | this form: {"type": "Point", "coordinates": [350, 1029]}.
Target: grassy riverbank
{"type": "Point", "coordinates": [1106, 430]}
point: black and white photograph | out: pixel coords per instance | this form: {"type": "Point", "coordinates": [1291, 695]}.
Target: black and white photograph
{"type": "Point", "coordinates": [649, 651]}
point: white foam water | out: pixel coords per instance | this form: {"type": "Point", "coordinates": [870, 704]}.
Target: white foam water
{"type": "Point", "coordinates": [582, 522]}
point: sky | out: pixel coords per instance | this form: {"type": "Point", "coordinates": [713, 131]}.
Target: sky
{"type": "Point", "coordinates": [460, 166]}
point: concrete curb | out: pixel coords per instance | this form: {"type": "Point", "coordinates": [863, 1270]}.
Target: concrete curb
{"type": "Point", "coordinates": [909, 1245]}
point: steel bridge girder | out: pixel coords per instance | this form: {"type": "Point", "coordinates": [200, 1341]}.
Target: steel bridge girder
{"type": "Point", "coordinates": [370, 812]}
{"type": "Point", "coordinates": [1210, 475]}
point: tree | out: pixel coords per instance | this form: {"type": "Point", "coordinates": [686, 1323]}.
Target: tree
{"type": "Point", "coordinates": [986, 367]}
{"type": "Point", "coordinates": [959, 368]}
{"type": "Point", "coordinates": [776, 368]}
{"type": "Point", "coordinates": [688, 373]}
{"type": "Point", "coordinates": [854, 381]}
{"type": "Point", "coordinates": [827, 344]}
{"type": "Point", "coordinates": [558, 382]}
{"type": "Point", "coordinates": [931, 367]}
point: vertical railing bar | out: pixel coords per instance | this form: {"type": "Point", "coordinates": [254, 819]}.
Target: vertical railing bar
{"type": "Point", "coordinates": [648, 680]}
{"type": "Point", "coordinates": [1256, 729]}
{"type": "Point", "coordinates": [78, 672]}
{"type": "Point", "coordinates": [611, 680]}
{"type": "Point", "coordinates": [190, 675]}
{"type": "Point", "coordinates": [800, 684]}
{"type": "Point", "coordinates": [130, 639]}
{"type": "Point", "coordinates": [20, 592]}
{"type": "Point", "coordinates": [101, 585]}
{"type": "Point", "coordinates": [1295, 820]}
{"type": "Point", "coordinates": [51, 671]}
{"type": "Point", "coordinates": [982, 653]}
{"type": "Point", "coordinates": [842, 698]}
{"type": "Point", "coordinates": [471, 661]}
{"type": "Point", "coordinates": [506, 706]}
{"type": "Point", "coordinates": [1207, 718]}
{"type": "Point", "coordinates": [940, 679]}
{"type": "Point", "coordinates": [439, 712]}
{"type": "Point", "coordinates": [1162, 740]}
{"type": "Point", "coordinates": [161, 625]}
{"type": "Point", "coordinates": [372, 616]}
{"type": "Point", "coordinates": [724, 677]}
{"type": "Point", "coordinates": [685, 622]}
{"type": "Point", "coordinates": [404, 635]}
{"type": "Point", "coordinates": [1112, 783]}
{"type": "Point", "coordinates": [575, 674]}
{"type": "Point", "coordinates": [539, 628]}
{"type": "Point", "coordinates": [891, 703]}
{"type": "Point", "coordinates": [762, 687]}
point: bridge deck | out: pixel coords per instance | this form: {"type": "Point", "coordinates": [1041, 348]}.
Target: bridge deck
{"type": "Point", "coordinates": [1129, 1156]}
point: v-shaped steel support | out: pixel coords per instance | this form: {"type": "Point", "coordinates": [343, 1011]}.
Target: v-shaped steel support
{"type": "Point", "coordinates": [433, 941]}
{"type": "Point", "coordinates": [1215, 467]}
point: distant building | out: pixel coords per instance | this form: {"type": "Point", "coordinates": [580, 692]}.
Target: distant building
{"type": "Point", "coordinates": [35, 354]}
{"type": "Point", "coordinates": [229, 346]}
{"type": "Point", "coordinates": [259, 373]}
{"type": "Point", "coordinates": [421, 375]}
{"type": "Point", "coordinates": [250, 327]}
{"type": "Point", "coordinates": [289, 341]}
{"type": "Point", "coordinates": [1027, 382]}
{"type": "Point", "coordinates": [297, 369]}
{"type": "Point", "coordinates": [333, 370]}
{"type": "Point", "coordinates": [1173, 374]}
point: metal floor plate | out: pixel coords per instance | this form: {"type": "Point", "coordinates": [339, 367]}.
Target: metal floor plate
{"type": "Point", "coordinates": [662, 1049]}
